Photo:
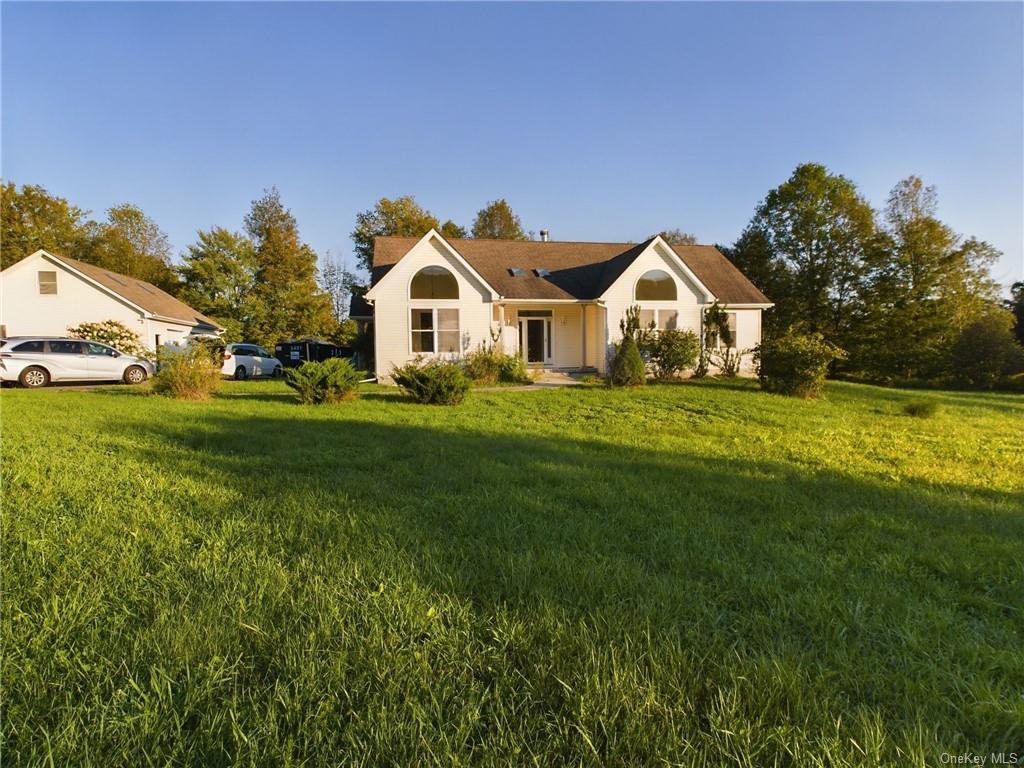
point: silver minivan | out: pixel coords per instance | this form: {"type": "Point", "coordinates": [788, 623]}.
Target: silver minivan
{"type": "Point", "coordinates": [35, 361]}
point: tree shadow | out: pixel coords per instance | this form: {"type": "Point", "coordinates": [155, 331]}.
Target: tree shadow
{"type": "Point", "coordinates": [759, 560]}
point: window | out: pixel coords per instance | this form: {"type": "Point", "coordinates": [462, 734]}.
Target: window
{"type": "Point", "coordinates": [656, 285]}
{"type": "Point", "coordinates": [29, 346]}
{"type": "Point", "coordinates": [66, 347]}
{"type": "Point", "coordinates": [731, 318]}
{"type": "Point", "coordinates": [100, 349]}
{"type": "Point", "coordinates": [434, 283]}
{"type": "Point", "coordinates": [663, 319]}
{"type": "Point", "coordinates": [47, 282]}
{"type": "Point", "coordinates": [435, 330]}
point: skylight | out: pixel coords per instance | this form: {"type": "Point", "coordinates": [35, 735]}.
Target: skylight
{"type": "Point", "coordinates": [515, 271]}
{"type": "Point", "coordinates": [116, 279]}
{"type": "Point", "coordinates": [540, 272]}
{"type": "Point", "coordinates": [146, 288]}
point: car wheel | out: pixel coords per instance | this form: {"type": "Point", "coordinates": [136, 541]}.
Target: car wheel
{"type": "Point", "coordinates": [34, 377]}
{"type": "Point", "coordinates": [134, 374]}
{"type": "Point", "coordinates": [278, 372]}
{"type": "Point", "coordinates": [240, 373]}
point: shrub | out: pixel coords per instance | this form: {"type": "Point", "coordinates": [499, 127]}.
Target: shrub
{"type": "Point", "coordinates": [188, 375]}
{"type": "Point", "coordinates": [114, 333]}
{"type": "Point", "coordinates": [986, 350]}
{"type": "Point", "coordinates": [673, 351]}
{"type": "Point", "coordinates": [627, 366]}
{"type": "Point", "coordinates": [331, 381]}
{"type": "Point", "coordinates": [489, 366]}
{"type": "Point", "coordinates": [922, 409]}
{"type": "Point", "coordinates": [434, 382]}
{"type": "Point", "coordinates": [795, 363]}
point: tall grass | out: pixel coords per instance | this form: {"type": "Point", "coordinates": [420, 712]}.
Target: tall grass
{"type": "Point", "coordinates": [689, 574]}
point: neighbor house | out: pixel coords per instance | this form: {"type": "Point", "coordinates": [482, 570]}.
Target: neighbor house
{"type": "Point", "coordinates": [557, 304]}
{"type": "Point", "coordinates": [45, 294]}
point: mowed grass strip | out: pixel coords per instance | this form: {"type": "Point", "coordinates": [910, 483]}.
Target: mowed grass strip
{"type": "Point", "coordinates": [694, 574]}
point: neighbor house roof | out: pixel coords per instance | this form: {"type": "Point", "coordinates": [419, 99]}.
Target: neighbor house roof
{"type": "Point", "coordinates": [581, 271]}
{"type": "Point", "coordinates": [140, 293]}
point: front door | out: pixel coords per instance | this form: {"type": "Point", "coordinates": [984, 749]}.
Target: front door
{"type": "Point", "coordinates": [535, 340]}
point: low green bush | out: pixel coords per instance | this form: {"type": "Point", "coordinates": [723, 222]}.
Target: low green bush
{"type": "Point", "coordinates": [673, 351]}
{"type": "Point", "coordinates": [628, 366]}
{"type": "Point", "coordinates": [487, 366]}
{"type": "Point", "coordinates": [187, 375]}
{"type": "Point", "coordinates": [795, 364]}
{"type": "Point", "coordinates": [331, 381]}
{"type": "Point", "coordinates": [921, 409]}
{"type": "Point", "coordinates": [433, 382]}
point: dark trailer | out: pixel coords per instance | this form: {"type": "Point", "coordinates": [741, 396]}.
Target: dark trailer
{"type": "Point", "coordinates": [295, 352]}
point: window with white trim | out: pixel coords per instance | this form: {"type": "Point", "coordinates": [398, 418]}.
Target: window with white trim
{"type": "Point", "coordinates": [434, 329]}
{"type": "Point", "coordinates": [731, 318]}
{"type": "Point", "coordinates": [663, 319]}
{"type": "Point", "coordinates": [47, 282]}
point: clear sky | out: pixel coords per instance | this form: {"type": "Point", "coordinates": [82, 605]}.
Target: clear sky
{"type": "Point", "coordinates": [596, 121]}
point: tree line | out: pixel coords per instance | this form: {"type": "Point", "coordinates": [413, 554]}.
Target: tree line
{"type": "Point", "coordinates": [898, 289]}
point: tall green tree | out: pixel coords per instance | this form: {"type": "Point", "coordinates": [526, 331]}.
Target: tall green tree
{"type": "Point", "coordinates": [402, 216]}
{"type": "Point", "coordinates": [1016, 305]}
{"type": "Point", "coordinates": [452, 231]}
{"type": "Point", "coordinates": [286, 300]}
{"type": "Point", "coordinates": [925, 284]}
{"type": "Point", "coordinates": [678, 237]}
{"type": "Point", "coordinates": [218, 277]}
{"type": "Point", "coordinates": [31, 218]}
{"type": "Point", "coordinates": [131, 243]}
{"type": "Point", "coordinates": [821, 231]}
{"type": "Point", "coordinates": [497, 221]}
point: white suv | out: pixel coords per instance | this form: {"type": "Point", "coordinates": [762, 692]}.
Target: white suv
{"type": "Point", "coordinates": [245, 360]}
{"type": "Point", "coordinates": [36, 361]}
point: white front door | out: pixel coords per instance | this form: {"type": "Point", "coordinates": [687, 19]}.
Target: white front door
{"type": "Point", "coordinates": [535, 340]}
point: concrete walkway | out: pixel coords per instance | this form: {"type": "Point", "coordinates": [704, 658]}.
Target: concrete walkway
{"type": "Point", "coordinates": [547, 380]}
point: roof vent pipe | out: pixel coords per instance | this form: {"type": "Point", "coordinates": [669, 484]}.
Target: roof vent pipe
{"type": "Point", "coordinates": [544, 234]}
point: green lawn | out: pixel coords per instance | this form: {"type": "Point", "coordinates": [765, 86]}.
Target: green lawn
{"type": "Point", "coordinates": [695, 574]}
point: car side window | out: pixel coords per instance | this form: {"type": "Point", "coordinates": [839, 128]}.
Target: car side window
{"type": "Point", "coordinates": [250, 351]}
{"type": "Point", "coordinates": [101, 349]}
{"type": "Point", "coordinates": [66, 347]}
{"type": "Point", "coordinates": [29, 346]}
{"type": "Point", "coordinates": [263, 352]}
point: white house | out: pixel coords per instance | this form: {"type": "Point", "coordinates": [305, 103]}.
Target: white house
{"type": "Point", "coordinates": [558, 304]}
{"type": "Point", "coordinates": [45, 294]}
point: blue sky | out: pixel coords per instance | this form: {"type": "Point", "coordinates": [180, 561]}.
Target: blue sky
{"type": "Point", "coordinates": [596, 121]}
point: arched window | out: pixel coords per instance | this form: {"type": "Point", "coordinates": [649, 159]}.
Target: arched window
{"type": "Point", "coordinates": [656, 285]}
{"type": "Point", "coordinates": [434, 283]}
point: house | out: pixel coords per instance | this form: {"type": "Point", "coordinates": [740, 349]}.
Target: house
{"type": "Point", "coordinates": [558, 304]}
{"type": "Point", "coordinates": [45, 294]}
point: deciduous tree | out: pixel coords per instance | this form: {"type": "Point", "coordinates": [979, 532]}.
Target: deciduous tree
{"type": "Point", "coordinates": [31, 218]}
{"type": "Point", "coordinates": [131, 243]}
{"type": "Point", "coordinates": [496, 221]}
{"type": "Point", "coordinates": [218, 277]}
{"type": "Point", "coordinates": [678, 237]}
{"type": "Point", "coordinates": [286, 300]}
{"type": "Point", "coordinates": [402, 216]}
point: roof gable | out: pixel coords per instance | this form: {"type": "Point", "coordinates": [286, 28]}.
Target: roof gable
{"type": "Point", "coordinates": [139, 294]}
{"type": "Point", "coordinates": [382, 268]}
{"type": "Point", "coordinates": [577, 270]}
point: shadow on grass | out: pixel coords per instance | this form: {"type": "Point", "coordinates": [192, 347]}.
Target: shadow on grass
{"type": "Point", "coordinates": [757, 558]}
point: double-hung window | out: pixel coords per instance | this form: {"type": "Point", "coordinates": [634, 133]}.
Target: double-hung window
{"type": "Point", "coordinates": [435, 330]}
